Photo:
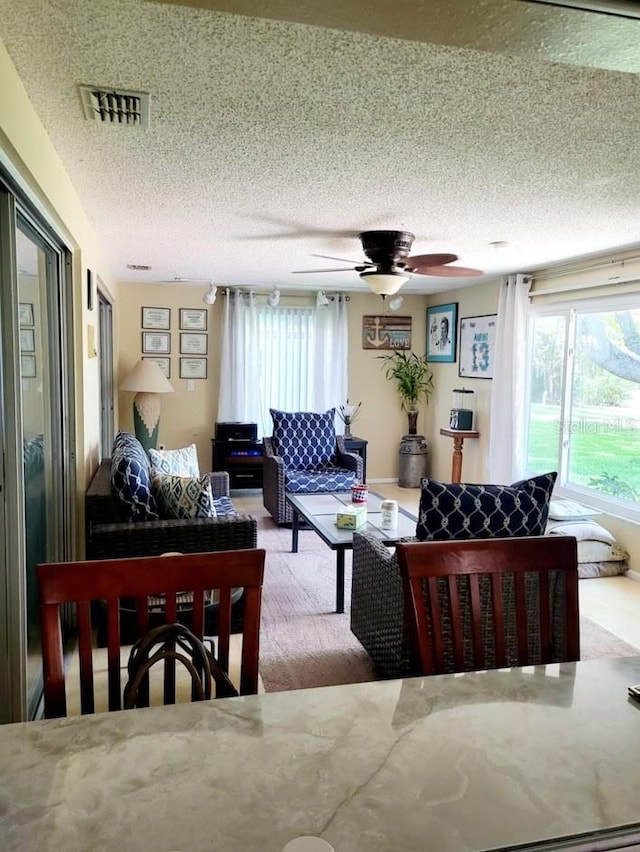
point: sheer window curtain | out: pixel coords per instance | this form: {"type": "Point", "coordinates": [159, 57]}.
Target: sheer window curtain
{"type": "Point", "coordinates": [292, 358]}
{"type": "Point", "coordinates": [508, 392]}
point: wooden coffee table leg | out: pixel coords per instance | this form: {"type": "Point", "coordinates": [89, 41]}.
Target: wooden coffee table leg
{"type": "Point", "coordinates": [340, 581]}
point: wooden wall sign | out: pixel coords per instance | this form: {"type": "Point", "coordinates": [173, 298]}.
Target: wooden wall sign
{"type": "Point", "coordinates": [386, 332]}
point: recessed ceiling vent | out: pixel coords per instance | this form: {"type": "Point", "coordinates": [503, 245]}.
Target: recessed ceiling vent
{"type": "Point", "coordinates": [111, 106]}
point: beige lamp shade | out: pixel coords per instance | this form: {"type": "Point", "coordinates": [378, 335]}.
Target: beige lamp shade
{"type": "Point", "coordinates": [147, 380]}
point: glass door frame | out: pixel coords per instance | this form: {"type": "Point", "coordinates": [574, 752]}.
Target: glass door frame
{"type": "Point", "coordinates": [15, 704]}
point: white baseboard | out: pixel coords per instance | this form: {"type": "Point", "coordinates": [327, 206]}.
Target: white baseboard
{"type": "Point", "coordinates": [633, 575]}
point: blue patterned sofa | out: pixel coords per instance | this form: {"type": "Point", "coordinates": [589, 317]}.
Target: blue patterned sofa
{"type": "Point", "coordinates": [123, 518]}
{"type": "Point", "coordinates": [305, 456]}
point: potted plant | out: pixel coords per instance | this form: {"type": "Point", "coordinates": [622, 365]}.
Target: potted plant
{"type": "Point", "coordinates": [414, 381]}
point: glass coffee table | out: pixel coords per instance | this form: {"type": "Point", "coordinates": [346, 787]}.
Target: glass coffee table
{"type": "Point", "coordinates": [319, 512]}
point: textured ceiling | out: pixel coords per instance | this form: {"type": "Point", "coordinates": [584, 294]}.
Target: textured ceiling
{"type": "Point", "coordinates": [273, 140]}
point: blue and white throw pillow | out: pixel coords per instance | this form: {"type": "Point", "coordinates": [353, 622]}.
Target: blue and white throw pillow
{"type": "Point", "coordinates": [462, 510]}
{"type": "Point", "coordinates": [183, 496]}
{"type": "Point", "coordinates": [130, 480]}
{"type": "Point", "coordinates": [305, 440]}
{"type": "Point", "coordinates": [182, 462]}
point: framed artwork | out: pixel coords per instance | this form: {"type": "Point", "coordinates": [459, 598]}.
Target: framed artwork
{"type": "Point", "coordinates": [159, 318]}
{"type": "Point", "coordinates": [477, 341]}
{"type": "Point", "coordinates": [163, 363]}
{"type": "Point", "coordinates": [193, 368]}
{"type": "Point", "coordinates": [27, 340]}
{"type": "Point", "coordinates": [386, 332]}
{"type": "Point", "coordinates": [193, 319]}
{"type": "Point", "coordinates": [28, 366]}
{"type": "Point", "coordinates": [441, 332]}
{"type": "Point", "coordinates": [193, 344]}
{"type": "Point", "coordinates": [89, 290]}
{"type": "Point", "coordinates": [25, 313]}
{"type": "Point", "coordinates": [160, 343]}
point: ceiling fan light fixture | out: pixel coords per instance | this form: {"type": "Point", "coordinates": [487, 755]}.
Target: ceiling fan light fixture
{"type": "Point", "coordinates": [384, 283]}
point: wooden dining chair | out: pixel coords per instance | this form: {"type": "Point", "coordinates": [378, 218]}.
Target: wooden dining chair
{"type": "Point", "coordinates": [490, 603]}
{"type": "Point", "coordinates": [100, 586]}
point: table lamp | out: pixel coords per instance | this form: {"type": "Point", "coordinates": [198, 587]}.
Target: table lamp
{"type": "Point", "coordinates": [147, 380]}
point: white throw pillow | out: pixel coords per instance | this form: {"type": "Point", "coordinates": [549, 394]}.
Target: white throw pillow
{"type": "Point", "coordinates": [182, 462]}
{"type": "Point", "coordinates": [581, 530]}
{"type": "Point", "coordinates": [568, 510]}
{"type": "Point", "coordinates": [598, 551]}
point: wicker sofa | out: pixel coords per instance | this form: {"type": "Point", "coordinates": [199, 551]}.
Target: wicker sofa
{"type": "Point", "coordinates": [109, 537]}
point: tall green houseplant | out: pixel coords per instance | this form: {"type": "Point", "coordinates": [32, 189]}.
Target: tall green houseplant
{"type": "Point", "coordinates": [414, 381]}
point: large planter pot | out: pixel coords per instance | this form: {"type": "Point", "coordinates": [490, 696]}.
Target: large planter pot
{"type": "Point", "coordinates": [413, 461]}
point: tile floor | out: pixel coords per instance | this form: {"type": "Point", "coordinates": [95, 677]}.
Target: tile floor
{"type": "Point", "coordinates": [612, 602]}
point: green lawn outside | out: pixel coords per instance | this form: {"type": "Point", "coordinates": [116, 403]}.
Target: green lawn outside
{"type": "Point", "coordinates": [603, 442]}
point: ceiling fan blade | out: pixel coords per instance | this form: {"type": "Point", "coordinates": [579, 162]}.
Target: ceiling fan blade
{"type": "Point", "coordinates": [418, 260]}
{"type": "Point", "coordinates": [304, 271]}
{"type": "Point", "coordinates": [343, 259]}
{"type": "Point", "coordinates": [448, 271]}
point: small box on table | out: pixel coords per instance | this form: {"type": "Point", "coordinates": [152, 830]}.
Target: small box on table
{"type": "Point", "coordinates": [352, 517]}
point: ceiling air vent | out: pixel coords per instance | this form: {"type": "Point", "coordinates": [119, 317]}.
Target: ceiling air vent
{"type": "Point", "coordinates": [111, 106]}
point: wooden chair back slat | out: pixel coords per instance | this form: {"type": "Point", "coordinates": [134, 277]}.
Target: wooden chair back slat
{"type": "Point", "coordinates": [114, 685]}
{"type": "Point", "coordinates": [135, 581]}
{"type": "Point", "coordinates": [85, 656]}
{"type": "Point", "coordinates": [522, 592]}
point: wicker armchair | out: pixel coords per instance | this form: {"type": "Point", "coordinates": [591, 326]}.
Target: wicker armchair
{"type": "Point", "coordinates": [274, 478]}
{"type": "Point", "coordinates": [108, 537]}
{"type": "Point", "coordinates": [378, 608]}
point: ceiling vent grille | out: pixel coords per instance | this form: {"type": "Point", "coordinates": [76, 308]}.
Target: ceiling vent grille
{"type": "Point", "coordinates": [112, 106]}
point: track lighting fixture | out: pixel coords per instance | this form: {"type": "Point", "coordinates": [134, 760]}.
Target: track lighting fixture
{"type": "Point", "coordinates": [209, 297]}
{"type": "Point", "coordinates": [273, 299]}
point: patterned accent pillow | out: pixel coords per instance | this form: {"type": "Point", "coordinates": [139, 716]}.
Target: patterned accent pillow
{"type": "Point", "coordinates": [130, 480]}
{"type": "Point", "coordinates": [183, 496]}
{"type": "Point", "coordinates": [461, 510]}
{"type": "Point", "coordinates": [305, 440]}
{"type": "Point", "coordinates": [224, 507]}
{"type": "Point", "coordinates": [182, 462]}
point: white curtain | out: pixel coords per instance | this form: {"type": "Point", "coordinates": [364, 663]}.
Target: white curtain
{"type": "Point", "coordinates": [331, 354]}
{"type": "Point", "coordinates": [239, 396]}
{"type": "Point", "coordinates": [291, 358]}
{"type": "Point", "coordinates": [508, 392]}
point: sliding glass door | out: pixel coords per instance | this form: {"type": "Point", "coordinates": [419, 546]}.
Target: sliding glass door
{"type": "Point", "coordinates": [37, 423]}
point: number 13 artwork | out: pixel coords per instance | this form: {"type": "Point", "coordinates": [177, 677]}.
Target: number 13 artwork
{"type": "Point", "coordinates": [477, 340]}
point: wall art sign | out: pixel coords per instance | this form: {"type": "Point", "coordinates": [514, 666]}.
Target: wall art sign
{"type": "Point", "coordinates": [156, 318]}
{"type": "Point", "coordinates": [193, 319]}
{"type": "Point", "coordinates": [441, 332]}
{"type": "Point", "coordinates": [386, 332]}
{"type": "Point", "coordinates": [193, 368]}
{"type": "Point", "coordinates": [159, 343]}
{"type": "Point", "coordinates": [477, 341]}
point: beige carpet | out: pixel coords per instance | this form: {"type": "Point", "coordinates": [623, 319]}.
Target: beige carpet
{"type": "Point", "coordinates": [305, 643]}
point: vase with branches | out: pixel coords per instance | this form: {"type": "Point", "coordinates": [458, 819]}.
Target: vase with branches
{"type": "Point", "coordinates": [414, 381]}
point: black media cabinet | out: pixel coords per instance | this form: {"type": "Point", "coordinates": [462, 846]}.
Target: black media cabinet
{"type": "Point", "coordinates": [236, 450]}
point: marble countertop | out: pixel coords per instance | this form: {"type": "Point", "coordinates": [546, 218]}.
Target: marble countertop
{"type": "Point", "coordinates": [454, 763]}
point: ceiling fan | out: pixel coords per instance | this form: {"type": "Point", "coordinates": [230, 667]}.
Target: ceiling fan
{"type": "Point", "coordinates": [389, 266]}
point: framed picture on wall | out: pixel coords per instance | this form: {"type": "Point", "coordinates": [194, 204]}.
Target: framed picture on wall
{"type": "Point", "coordinates": [193, 368]}
{"type": "Point", "coordinates": [28, 366]}
{"type": "Point", "coordinates": [477, 340]}
{"type": "Point", "coordinates": [25, 312]}
{"type": "Point", "coordinates": [163, 363]}
{"type": "Point", "coordinates": [27, 340]}
{"type": "Point", "coordinates": [441, 332]}
{"type": "Point", "coordinates": [159, 318]}
{"type": "Point", "coordinates": [193, 319]}
{"type": "Point", "coordinates": [193, 344]}
{"type": "Point", "coordinates": [160, 343]}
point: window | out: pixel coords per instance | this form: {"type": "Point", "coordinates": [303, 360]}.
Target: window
{"type": "Point", "coordinates": [584, 401]}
